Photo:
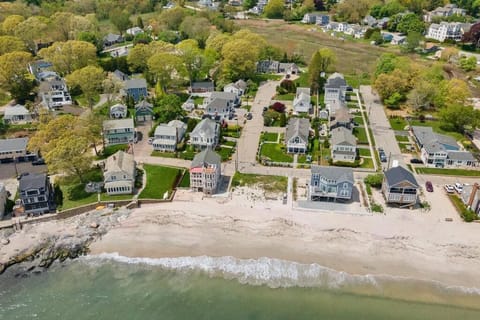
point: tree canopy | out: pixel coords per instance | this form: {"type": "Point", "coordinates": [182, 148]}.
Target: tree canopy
{"type": "Point", "coordinates": [69, 56]}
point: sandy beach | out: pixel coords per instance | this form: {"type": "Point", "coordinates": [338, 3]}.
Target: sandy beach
{"type": "Point", "coordinates": [409, 244]}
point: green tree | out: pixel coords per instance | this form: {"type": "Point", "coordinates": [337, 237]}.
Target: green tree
{"type": "Point", "coordinates": [10, 24]}
{"type": "Point", "coordinates": [238, 63]}
{"type": "Point", "coordinates": [374, 180]}
{"type": "Point", "coordinates": [321, 61]}
{"type": "Point", "coordinates": [197, 28]}
{"type": "Point", "coordinates": [353, 11]}
{"type": "Point", "coordinates": [412, 41]}
{"type": "Point", "coordinates": [248, 4]}
{"type": "Point", "coordinates": [31, 30]}
{"type": "Point", "coordinates": [459, 117]}
{"type": "Point", "coordinates": [386, 64]}
{"type": "Point", "coordinates": [172, 18]}
{"type": "Point", "coordinates": [453, 91]}
{"type": "Point", "coordinates": [91, 127]}
{"type": "Point", "coordinates": [274, 9]}
{"type": "Point", "coordinates": [120, 19]}
{"type": "Point", "coordinates": [14, 76]}
{"type": "Point", "coordinates": [89, 79]}
{"type": "Point", "coordinates": [10, 44]}
{"type": "Point", "coordinates": [193, 58]}
{"type": "Point", "coordinates": [167, 69]}
{"type": "Point", "coordinates": [410, 23]}
{"type": "Point", "coordinates": [69, 56]}
{"type": "Point", "coordinates": [167, 108]}
{"type": "Point", "coordinates": [468, 64]}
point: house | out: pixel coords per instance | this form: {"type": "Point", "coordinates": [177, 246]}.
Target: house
{"type": "Point", "coordinates": [370, 21]}
{"type": "Point", "coordinates": [15, 149]}
{"type": "Point", "coordinates": [119, 173]}
{"type": "Point", "coordinates": [335, 89]}
{"type": "Point", "coordinates": [111, 39]}
{"type": "Point", "coordinates": [205, 172]}
{"type": "Point", "coordinates": [288, 68]}
{"type": "Point", "coordinates": [201, 87]}
{"type": "Point", "coordinates": [471, 197]}
{"type": "Point", "coordinates": [118, 111]}
{"type": "Point", "coordinates": [238, 87]}
{"type": "Point", "coordinates": [322, 20]}
{"type": "Point", "coordinates": [219, 109]}
{"type": "Point", "coordinates": [134, 31]}
{"type": "Point", "coordinates": [235, 3]}
{"type": "Point", "coordinates": [54, 93]}
{"type": "Point", "coordinates": [205, 134]}
{"type": "Point", "coordinates": [230, 97]}
{"type": "Point", "coordinates": [355, 31]}
{"type": "Point", "coordinates": [447, 31]}
{"type": "Point", "coordinates": [136, 88]}
{"type": "Point", "coordinates": [398, 39]}
{"type": "Point", "coordinates": [344, 145]}
{"type": "Point", "coordinates": [273, 66]}
{"type": "Point", "coordinates": [119, 75]}
{"type": "Point", "coordinates": [41, 70]}
{"type": "Point", "coordinates": [16, 114]}
{"type": "Point", "coordinates": [167, 136]}
{"type": "Point", "coordinates": [188, 105]}
{"type": "Point", "coordinates": [400, 186]}
{"type": "Point", "coordinates": [319, 19]}
{"type": "Point", "coordinates": [296, 135]}
{"type": "Point", "coordinates": [36, 194]}
{"type": "Point", "coordinates": [341, 117]}
{"type": "Point", "coordinates": [3, 200]}
{"type": "Point", "coordinates": [302, 100]}
{"type": "Point", "coordinates": [144, 111]}
{"type": "Point", "coordinates": [444, 12]}
{"type": "Point", "coordinates": [330, 184]}
{"type": "Point", "coordinates": [119, 131]}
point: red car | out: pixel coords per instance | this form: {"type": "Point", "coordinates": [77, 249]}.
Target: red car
{"type": "Point", "coordinates": [429, 186]}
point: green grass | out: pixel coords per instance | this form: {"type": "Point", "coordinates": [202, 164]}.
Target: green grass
{"type": "Point", "coordinates": [354, 80]}
{"type": "Point", "coordinates": [106, 197]}
{"type": "Point", "coordinates": [361, 135]}
{"type": "Point", "coordinates": [229, 143]}
{"type": "Point", "coordinates": [4, 97]}
{"type": "Point", "coordinates": [82, 100]}
{"type": "Point", "coordinates": [398, 124]}
{"type": "Point", "coordinates": [198, 100]}
{"type": "Point", "coordinates": [225, 153]}
{"type": "Point", "coordinates": [402, 138]}
{"type": "Point", "coordinates": [159, 180]}
{"type": "Point", "coordinates": [268, 183]}
{"type": "Point", "coordinates": [364, 152]}
{"type": "Point", "coordinates": [185, 182]}
{"type": "Point", "coordinates": [285, 97]}
{"type": "Point", "coordinates": [275, 152]}
{"type": "Point", "coordinates": [359, 120]}
{"type": "Point", "coordinates": [449, 172]}
{"type": "Point", "coordinates": [109, 150]}
{"type": "Point", "coordinates": [466, 214]}
{"type": "Point", "coordinates": [367, 163]}
{"type": "Point", "coordinates": [303, 80]}
{"type": "Point", "coordinates": [269, 136]}
{"type": "Point", "coordinates": [163, 154]}
{"type": "Point", "coordinates": [73, 190]}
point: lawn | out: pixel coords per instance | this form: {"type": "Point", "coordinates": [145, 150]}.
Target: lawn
{"type": "Point", "coordinates": [268, 183]}
{"type": "Point", "coordinates": [185, 183]}
{"type": "Point", "coordinates": [275, 152]}
{"type": "Point", "coordinates": [74, 194]}
{"type": "Point", "coordinates": [198, 100]}
{"type": "Point", "coordinates": [367, 163]}
{"type": "Point", "coordinates": [359, 120]}
{"type": "Point", "coordinates": [402, 138]}
{"type": "Point", "coordinates": [229, 143]}
{"type": "Point", "coordinates": [285, 97]}
{"type": "Point", "coordinates": [364, 152]}
{"type": "Point", "coordinates": [159, 180]}
{"type": "Point", "coordinates": [269, 136]}
{"type": "Point", "coordinates": [398, 124]}
{"type": "Point", "coordinates": [106, 197]}
{"type": "Point", "coordinates": [163, 154]}
{"type": "Point", "coordinates": [361, 135]}
{"type": "Point", "coordinates": [82, 100]}
{"type": "Point", "coordinates": [449, 172]}
{"type": "Point", "coordinates": [303, 80]}
{"type": "Point", "coordinates": [355, 80]}
{"type": "Point", "coordinates": [225, 153]}
{"type": "Point", "coordinates": [108, 151]}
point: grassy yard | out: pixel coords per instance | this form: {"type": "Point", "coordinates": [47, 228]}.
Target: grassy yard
{"type": "Point", "coordinates": [74, 194]}
{"type": "Point", "coordinates": [449, 172]}
{"type": "Point", "coordinates": [364, 152]}
{"type": "Point", "coordinates": [225, 153]}
{"type": "Point", "coordinates": [285, 97]}
{"type": "Point", "coordinates": [185, 182]}
{"type": "Point", "coordinates": [269, 136]}
{"type": "Point", "coordinates": [82, 100]}
{"type": "Point", "coordinates": [163, 154]}
{"type": "Point", "coordinates": [275, 152]}
{"type": "Point", "coordinates": [399, 124]}
{"type": "Point", "coordinates": [361, 135]}
{"type": "Point", "coordinates": [402, 138]}
{"type": "Point", "coordinates": [367, 163]}
{"type": "Point", "coordinates": [268, 183]}
{"type": "Point", "coordinates": [198, 100]}
{"type": "Point", "coordinates": [108, 151]}
{"type": "Point", "coordinates": [229, 143]}
{"type": "Point", "coordinates": [159, 180]}
{"type": "Point", "coordinates": [359, 120]}
{"type": "Point", "coordinates": [303, 80]}
{"type": "Point", "coordinates": [106, 197]}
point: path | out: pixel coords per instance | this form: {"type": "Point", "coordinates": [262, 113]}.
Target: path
{"type": "Point", "coordinates": [367, 131]}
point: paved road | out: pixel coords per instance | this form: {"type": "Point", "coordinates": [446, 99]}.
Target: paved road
{"type": "Point", "coordinates": [382, 131]}
{"type": "Point", "coordinates": [367, 131]}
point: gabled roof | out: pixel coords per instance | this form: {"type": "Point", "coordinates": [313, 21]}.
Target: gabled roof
{"type": "Point", "coordinates": [164, 129]}
{"type": "Point", "coordinates": [336, 80]}
{"type": "Point", "coordinates": [343, 136]}
{"type": "Point", "coordinates": [399, 174]}
{"type": "Point", "coordinates": [206, 127]}
{"type": "Point", "coordinates": [337, 174]}
{"type": "Point", "coordinates": [32, 181]}
{"type": "Point", "coordinates": [297, 127]}
{"type": "Point", "coordinates": [120, 75]}
{"type": "Point", "coordinates": [118, 106]}
{"type": "Point", "coordinates": [431, 141]}
{"type": "Point", "coordinates": [460, 156]}
{"type": "Point", "coordinates": [144, 104]}
{"type": "Point", "coordinates": [223, 95]}
{"type": "Point", "coordinates": [135, 83]}
{"type": "Point", "coordinates": [217, 104]}
{"type": "Point", "coordinates": [178, 124]}
{"type": "Point", "coordinates": [13, 144]}
{"type": "Point", "coordinates": [120, 162]}
{"type": "Point", "coordinates": [202, 85]}
{"type": "Point", "coordinates": [118, 124]}
{"type": "Point", "coordinates": [112, 37]}
{"type": "Point", "coordinates": [15, 111]}
{"type": "Point", "coordinates": [241, 84]}
{"type": "Point", "coordinates": [206, 158]}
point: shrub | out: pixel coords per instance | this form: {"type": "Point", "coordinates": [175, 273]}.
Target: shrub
{"type": "Point", "coordinates": [377, 207]}
{"type": "Point", "coordinates": [279, 107]}
{"type": "Point", "coordinates": [288, 85]}
{"type": "Point", "coordinates": [374, 180]}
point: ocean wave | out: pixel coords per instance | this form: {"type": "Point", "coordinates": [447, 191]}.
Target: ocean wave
{"type": "Point", "coordinates": [275, 273]}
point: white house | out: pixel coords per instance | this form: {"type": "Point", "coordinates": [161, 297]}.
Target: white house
{"type": "Point", "coordinates": [447, 30]}
{"type": "Point", "coordinates": [219, 108]}
{"type": "Point", "coordinates": [302, 100]}
{"type": "Point", "coordinates": [55, 93]}
{"type": "Point", "coordinates": [118, 111]}
{"type": "Point", "coordinates": [238, 87]}
{"type": "Point", "coordinates": [335, 89]}
{"type": "Point", "coordinates": [444, 12]}
{"type": "Point", "coordinates": [119, 174]}
{"type": "Point", "coordinates": [134, 31]}
{"type": "Point", "coordinates": [205, 134]}
{"type": "Point", "coordinates": [344, 145]}
{"type": "Point", "coordinates": [17, 114]}
{"type": "Point", "coordinates": [168, 135]}
{"type": "Point", "coordinates": [296, 135]}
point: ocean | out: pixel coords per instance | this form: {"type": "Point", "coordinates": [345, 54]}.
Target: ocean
{"type": "Point", "coordinates": [113, 287]}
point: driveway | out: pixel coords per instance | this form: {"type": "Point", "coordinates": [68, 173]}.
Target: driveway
{"type": "Point", "coordinates": [382, 131]}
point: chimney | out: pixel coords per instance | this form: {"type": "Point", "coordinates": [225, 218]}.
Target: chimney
{"type": "Point", "coordinates": [475, 187]}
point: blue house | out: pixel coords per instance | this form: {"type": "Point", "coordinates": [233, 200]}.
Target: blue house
{"type": "Point", "coordinates": [136, 88]}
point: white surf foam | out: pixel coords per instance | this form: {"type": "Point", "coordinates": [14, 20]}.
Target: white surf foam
{"type": "Point", "coordinates": [272, 272]}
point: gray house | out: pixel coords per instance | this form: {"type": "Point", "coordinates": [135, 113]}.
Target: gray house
{"type": "Point", "coordinates": [335, 89]}
{"type": "Point", "coordinates": [231, 97]}
{"type": "Point", "coordinates": [302, 101]}
{"type": "Point", "coordinates": [118, 131]}
{"type": "Point", "coordinates": [205, 134]}
{"type": "Point", "coordinates": [168, 135]}
{"type": "Point", "coordinates": [400, 186]}
{"type": "Point", "coordinates": [296, 135]}
{"type": "Point", "coordinates": [36, 194]}
{"type": "Point", "coordinates": [205, 172]}
{"type": "Point", "coordinates": [12, 149]}
{"type": "Point", "coordinates": [119, 174]}
{"type": "Point", "coordinates": [330, 184]}
{"type": "Point", "coordinates": [118, 111]}
{"type": "Point", "coordinates": [17, 114]}
{"type": "Point", "coordinates": [111, 39]}
{"type": "Point", "coordinates": [344, 145]}
{"type": "Point", "coordinates": [219, 107]}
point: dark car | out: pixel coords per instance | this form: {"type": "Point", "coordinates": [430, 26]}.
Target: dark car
{"type": "Point", "coordinates": [38, 162]}
{"type": "Point", "coordinates": [429, 186]}
{"type": "Point", "coordinates": [249, 116]}
{"type": "Point", "coordinates": [415, 160]}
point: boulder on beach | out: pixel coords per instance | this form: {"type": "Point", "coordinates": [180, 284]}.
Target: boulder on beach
{"type": "Point", "coordinates": [94, 225]}
{"type": "Point", "coordinates": [5, 241]}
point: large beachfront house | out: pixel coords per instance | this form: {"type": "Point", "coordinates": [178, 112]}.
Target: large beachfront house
{"type": "Point", "coordinates": [167, 136]}
{"type": "Point", "coordinates": [296, 135]}
{"type": "Point", "coordinates": [400, 186]}
{"type": "Point", "coordinates": [118, 131]}
{"type": "Point", "coordinates": [36, 194]}
{"type": "Point", "coordinates": [330, 184]}
{"type": "Point", "coordinates": [205, 134]}
{"type": "Point", "coordinates": [344, 145]}
{"type": "Point", "coordinates": [119, 174]}
{"type": "Point", "coordinates": [447, 31]}
{"type": "Point", "coordinates": [205, 172]}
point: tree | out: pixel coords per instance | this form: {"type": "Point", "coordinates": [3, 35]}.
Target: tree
{"type": "Point", "coordinates": [386, 10]}
{"type": "Point", "coordinates": [120, 19]}
{"type": "Point", "coordinates": [193, 59]}
{"type": "Point", "coordinates": [197, 28]}
{"type": "Point", "coordinates": [62, 146]}
{"type": "Point", "coordinates": [410, 23]}
{"type": "Point", "coordinates": [238, 63]}
{"type": "Point", "coordinates": [167, 69]}
{"type": "Point", "coordinates": [468, 64]}
{"type": "Point", "coordinates": [111, 85]}
{"type": "Point", "coordinates": [140, 22]}
{"type": "Point", "coordinates": [69, 56]}
{"type": "Point", "coordinates": [248, 4]}
{"type": "Point", "coordinates": [459, 117]}
{"type": "Point", "coordinates": [321, 61]}
{"type": "Point", "coordinates": [448, 54]}
{"type": "Point", "coordinates": [14, 76]}
{"type": "Point", "coordinates": [412, 41]}
{"type": "Point", "coordinates": [453, 91]}
{"type": "Point", "coordinates": [66, 25]}
{"type": "Point", "coordinates": [91, 127]}
{"type": "Point", "coordinates": [274, 9]}
{"type": "Point", "coordinates": [168, 107]}
{"type": "Point", "coordinates": [89, 79]}
{"type": "Point", "coordinates": [386, 64]}
{"type": "Point", "coordinates": [31, 30]}
{"type": "Point", "coordinates": [392, 84]}
{"type": "Point", "coordinates": [10, 24]}
{"type": "Point", "coordinates": [10, 44]}
{"type": "Point", "coordinates": [423, 94]}
{"type": "Point", "coordinates": [374, 180]}
{"type": "Point", "coordinates": [172, 18]}
{"type": "Point", "coordinates": [353, 11]}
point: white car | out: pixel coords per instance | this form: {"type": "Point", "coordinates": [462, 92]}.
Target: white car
{"type": "Point", "coordinates": [458, 187]}
{"type": "Point", "coordinates": [150, 140]}
{"type": "Point", "coordinates": [449, 188]}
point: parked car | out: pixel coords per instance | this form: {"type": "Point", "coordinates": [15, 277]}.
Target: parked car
{"type": "Point", "coordinates": [38, 162]}
{"type": "Point", "coordinates": [449, 188]}
{"type": "Point", "coordinates": [249, 116]}
{"type": "Point", "coordinates": [416, 160]}
{"type": "Point", "coordinates": [458, 187]}
{"type": "Point", "coordinates": [429, 186]}
{"type": "Point", "coordinates": [150, 140]}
